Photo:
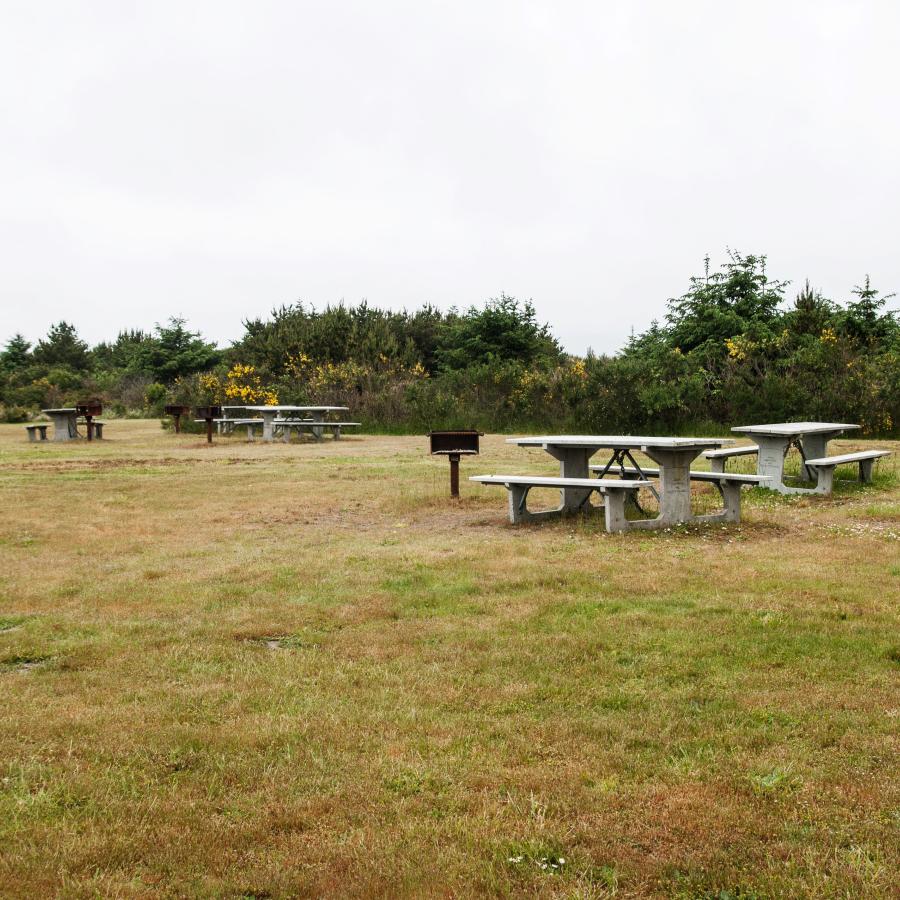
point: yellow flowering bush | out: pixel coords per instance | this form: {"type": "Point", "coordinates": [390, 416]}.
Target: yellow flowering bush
{"type": "Point", "coordinates": [244, 385]}
{"type": "Point", "coordinates": [739, 348]}
{"type": "Point", "coordinates": [327, 378]}
{"type": "Point", "coordinates": [210, 387]}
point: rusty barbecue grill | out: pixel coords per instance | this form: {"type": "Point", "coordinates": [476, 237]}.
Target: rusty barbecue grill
{"type": "Point", "coordinates": [176, 412]}
{"type": "Point", "coordinates": [209, 413]}
{"type": "Point", "coordinates": [454, 444]}
{"type": "Point", "coordinates": [88, 409]}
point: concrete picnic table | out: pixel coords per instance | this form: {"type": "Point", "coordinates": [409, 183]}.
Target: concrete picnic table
{"type": "Point", "coordinates": [673, 455]}
{"type": "Point", "coordinates": [64, 423]}
{"type": "Point", "coordinates": [775, 439]}
{"type": "Point", "coordinates": [270, 413]}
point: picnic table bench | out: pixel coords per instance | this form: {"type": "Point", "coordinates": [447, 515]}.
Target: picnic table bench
{"type": "Point", "coordinates": [774, 440]}
{"type": "Point", "coordinates": [316, 427]}
{"type": "Point", "coordinates": [718, 458]}
{"type": "Point", "coordinates": [226, 425]}
{"type": "Point", "coordinates": [37, 429]}
{"type": "Point", "coordinates": [673, 455]}
{"type": "Point", "coordinates": [615, 493]}
{"type": "Point", "coordinates": [65, 425]}
{"type": "Point", "coordinates": [825, 466]}
{"type": "Point", "coordinates": [728, 484]}
{"type": "Point", "coordinates": [282, 411]}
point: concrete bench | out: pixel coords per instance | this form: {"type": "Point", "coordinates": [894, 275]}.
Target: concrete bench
{"type": "Point", "coordinates": [97, 428]}
{"type": "Point", "coordinates": [729, 485]}
{"type": "Point", "coordinates": [824, 467]}
{"type": "Point", "coordinates": [35, 430]}
{"type": "Point", "coordinates": [314, 426]}
{"type": "Point", "coordinates": [718, 458]}
{"type": "Point", "coordinates": [615, 492]}
{"type": "Point", "coordinates": [227, 426]}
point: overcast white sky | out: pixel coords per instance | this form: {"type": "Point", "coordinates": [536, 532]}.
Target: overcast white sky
{"type": "Point", "coordinates": [217, 159]}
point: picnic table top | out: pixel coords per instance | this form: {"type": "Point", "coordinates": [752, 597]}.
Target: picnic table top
{"type": "Point", "coordinates": [282, 408]}
{"type": "Point", "coordinates": [789, 429]}
{"type": "Point", "coordinates": [617, 441]}
{"type": "Point", "coordinates": [66, 409]}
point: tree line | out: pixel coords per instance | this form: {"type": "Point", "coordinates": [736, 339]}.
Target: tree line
{"type": "Point", "coordinates": [735, 347]}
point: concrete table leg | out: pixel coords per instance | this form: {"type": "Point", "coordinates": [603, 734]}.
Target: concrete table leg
{"type": "Point", "coordinates": [770, 461]}
{"type": "Point", "coordinates": [674, 483]}
{"type": "Point", "coordinates": [815, 446]}
{"type": "Point", "coordinates": [574, 462]}
{"type": "Point", "coordinates": [268, 429]}
{"type": "Point", "coordinates": [63, 426]}
{"type": "Point", "coordinates": [674, 488]}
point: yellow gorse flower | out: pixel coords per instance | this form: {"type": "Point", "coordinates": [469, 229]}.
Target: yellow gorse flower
{"type": "Point", "coordinates": [245, 385]}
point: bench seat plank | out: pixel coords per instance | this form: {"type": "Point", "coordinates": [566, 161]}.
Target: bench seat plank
{"type": "Point", "coordinates": [306, 423]}
{"type": "Point", "coordinates": [697, 475]}
{"type": "Point", "coordinates": [718, 458]}
{"type": "Point", "coordinates": [615, 490]}
{"type": "Point", "coordinates": [732, 451]}
{"type": "Point", "coordinates": [553, 481]}
{"type": "Point", "coordinates": [314, 426]}
{"type": "Point", "coordinates": [824, 467]}
{"type": "Point", "coordinates": [847, 458]}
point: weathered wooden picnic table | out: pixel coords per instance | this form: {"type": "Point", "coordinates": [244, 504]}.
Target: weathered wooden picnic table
{"type": "Point", "coordinates": [673, 455]}
{"type": "Point", "coordinates": [270, 413]}
{"type": "Point", "coordinates": [774, 440]}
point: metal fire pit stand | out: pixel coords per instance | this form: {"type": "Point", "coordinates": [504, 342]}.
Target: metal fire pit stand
{"type": "Point", "coordinates": [88, 409]}
{"type": "Point", "coordinates": [453, 445]}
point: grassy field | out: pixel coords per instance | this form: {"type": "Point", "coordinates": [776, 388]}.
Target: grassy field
{"type": "Point", "coordinates": [256, 670]}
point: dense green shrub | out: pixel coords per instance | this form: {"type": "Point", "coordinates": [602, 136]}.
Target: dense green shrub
{"type": "Point", "coordinates": [731, 350]}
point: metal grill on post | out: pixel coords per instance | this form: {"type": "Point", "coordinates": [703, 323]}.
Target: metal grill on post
{"type": "Point", "coordinates": [454, 444]}
{"type": "Point", "coordinates": [88, 409]}
{"type": "Point", "coordinates": [209, 413]}
{"type": "Point", "coordinates": [176, 412]}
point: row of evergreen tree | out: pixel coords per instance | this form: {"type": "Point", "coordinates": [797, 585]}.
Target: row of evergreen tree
{"type": "Point", "coordinates": [733, 346]}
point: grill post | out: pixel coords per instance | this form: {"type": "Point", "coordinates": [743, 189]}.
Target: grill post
{"type": "Point", "coordinates": [89, 409]}
{"type": "Point", "coordinates": [176, 412]}
{"type": "Point", "coordinates": [454, 474]}
{"type": "Point", "coordinates": [208, 413]}
{"type": "Point", "coordinates": [454, 445]}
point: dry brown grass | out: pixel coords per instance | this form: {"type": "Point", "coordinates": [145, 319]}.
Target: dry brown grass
{"type": "Point", "coordinates": [277, 670]}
